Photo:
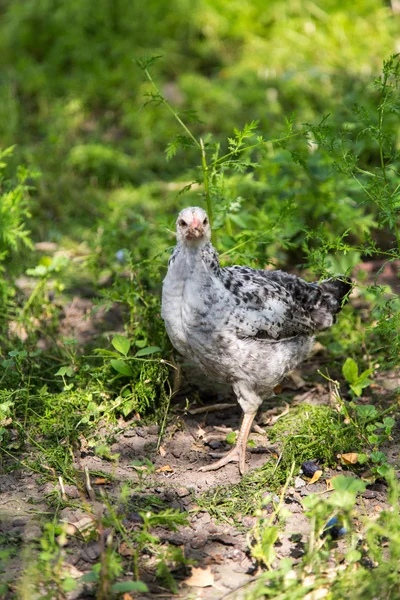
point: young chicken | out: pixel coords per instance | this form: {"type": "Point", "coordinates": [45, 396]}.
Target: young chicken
{"type": "Point", "coordinates": [242, 326]}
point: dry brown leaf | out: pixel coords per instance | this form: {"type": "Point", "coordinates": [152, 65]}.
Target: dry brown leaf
{"type": "Point", "coordinates": [351, 458]}
{"type": "Point", "coordinates": [127, 596]}
{"type": "Point", "coordinates": [200, 577]}
{"type": "Point", "coordinates": [162, 451]}
{"type": "Point", "coordinates": [165, 469]}
{"type": "Point", "coordinates": [101, 481]}
{"type": "Point", "coordinates": [125, 550]}
{"type": "Point", "coordinates": [201, 432]}
{"type": "Point", "coordinates": [329, 484]}
{"type": "Point", "coordinates": [72, 571]}
{"type": "Point", "coordinates": [315, 477]}
{"type": "Point", "coordinates": [84, 526]}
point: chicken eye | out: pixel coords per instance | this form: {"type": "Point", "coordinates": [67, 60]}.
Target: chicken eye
{"type": "Point", "coordinates": [182, 223]}
{"type": "Point", "coordinates": [205, 221]}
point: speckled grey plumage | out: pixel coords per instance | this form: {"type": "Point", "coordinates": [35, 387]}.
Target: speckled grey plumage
{"type": "Point", "coordinates": [243, 326]}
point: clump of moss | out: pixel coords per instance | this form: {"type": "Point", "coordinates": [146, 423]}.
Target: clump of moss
{"type": "Point", "coordinates": [313, 432]}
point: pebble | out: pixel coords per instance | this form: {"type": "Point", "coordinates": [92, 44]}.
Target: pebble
{"type": "Point", "coordinates": [176, 451]}
{"type": "Point", "coordinates": [299, 483]}
{"type": "Point", "coordinates": [153, 429]}
{"type": "Point", "coordinates": [198, 542]}
{"type": "Point", "coordinates": [72, 491]}
{"type": "Point", "coordinates": [182, 492]}
{"type": "Point", "coordinates": [20, 521]}
{"type": "Point", "coordinates": [214, 444]}
{"type": "Point", "coordinates": [249, 521]}
{"type": "Point", "coordinates": [31, 532]}
{"type": "Point", "coordinates": [369, 494]}
{"type": "Point", "coordinates": [91, 552]}
{"type": "Point", "coordinates": [129, 433]}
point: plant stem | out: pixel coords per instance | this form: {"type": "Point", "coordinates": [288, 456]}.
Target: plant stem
{"type": "Point", "coordinates": [171, 110]}
{"type": "Point", "coordinates": [206, 185]}
{"type": "Point", "coordinates": [380, 127]}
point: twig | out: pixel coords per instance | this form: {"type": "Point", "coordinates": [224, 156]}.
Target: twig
{"type": "Point", "coordinates": [88, 484]}
{"type": "Point", "coordinates": [211, 408]}
{"type": "Point", "coordinates": [62, 488]}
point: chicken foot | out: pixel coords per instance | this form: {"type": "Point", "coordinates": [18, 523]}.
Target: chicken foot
{"type": "Point", "coordinates": [238, 453]}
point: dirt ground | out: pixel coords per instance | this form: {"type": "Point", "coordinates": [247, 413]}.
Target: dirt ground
{"type": "Point", "coordinates": [219, 549]}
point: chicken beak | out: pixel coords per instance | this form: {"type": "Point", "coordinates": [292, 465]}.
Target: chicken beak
{"type": "Point", "coordinates": [196, 229]}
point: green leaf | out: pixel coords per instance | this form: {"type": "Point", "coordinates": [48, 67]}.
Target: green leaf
{"type": "Point", "coordinates": [389, 422]}
{"type": "Point", "coordinates": [357, 389]}
{"type": "Point", "coordinates": [378, 457]}
{"type": "Point", "coordinates": [384, 470]}
{"type": "Point", "coordinates": [121, 343]}
{"type": "Point", "coordinates": [89, 577]}
{"type": "Point", "coordinates": [68, 371]}
{"type": "Point", "coordinates": [231, 438]}
{"type": "Point", "coordinates": [367, 411]}
{"type": "Point", "coordinates": [350, 370]}
{"type": "Point", "coordinates": [353, 556]}
{"type": "Point", "coordinates": [121, 367]}
{"type": "Point", "coordinates": [147, 351]}
{"type": "Point", "coordinates": [353, 485]}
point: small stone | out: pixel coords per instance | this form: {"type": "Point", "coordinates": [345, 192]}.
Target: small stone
{"type": "Point", "coordinates": [198, 542]}
{"type": "Point", "coordinates": [48, 488]}
{"type": "Point", "coordinates": [20, 521]}
{"type": "Point", "coordinates": [129, 433]}
{"type": "Point", "coordinates": [391, 384]}
{"type": "Point", "coordinates": [249, 521]}
{"type": "Point", "coordinates": [72, 491]}
{"type": "Point", "coordinates": [176, 451]}
{"type": "Point", "coordinates": [32, 531]}
{"type": "Point", "coordinates": [153, 429]}
{"type": "Point", "coordinates": [214, 444]}
{"type": "Point", "coordinates": [369, 494]}
{"type": "Point", "coordinates": [91, 552]}
{"type": "Point", "coordinates": [299, 483]}
{"type": "Point", "coordinates": [182, 492]}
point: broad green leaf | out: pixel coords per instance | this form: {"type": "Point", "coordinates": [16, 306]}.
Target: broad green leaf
{"type": "Point", "coordinates": [354, 485]}
{"type": "Point", "coordinates": [147, 351]}
{"type": "Point", "coordinates": [366, 411]}
{"type": "Point", "coordinates": [356, 389]}
{"type": "Point", "coordinates": [90, 577]}
{"type": "Point", "coordinates": [350, 370]}
{"type": "Point", "coordinates": [378, 457]}
{"type": "Point", "coordinates": [121, 343]}
{"type": "Point", "coordinates": [121, 367]}
{"type": "Point", "coordinates": [130, 586]}
{"type": "Point", "coordinates": [353, 556]}
{"type": "Point", "coordinates": [384, 470]}
{"type": "Point", "coordinates": [389, 422]}
{"type": "Point", "coordinates": [68, 371]}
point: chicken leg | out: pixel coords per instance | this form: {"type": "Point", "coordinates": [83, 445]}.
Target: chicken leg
{"type": "Point", "coordinates": [238, 453]}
